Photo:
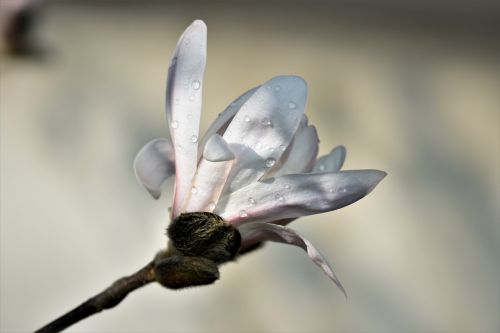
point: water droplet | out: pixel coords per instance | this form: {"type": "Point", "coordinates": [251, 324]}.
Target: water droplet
{"type": "Point", "coordinates": [252, 201]}
{"type": "Point", "coordinates": [191, 98]}
{"type": "Point", "coordinates": [266, 122]}
{"type": "Point", "coordinates": [270, 162]}
{"type": "Point", "coordinates": [330, 190]}
{"type": "Point", "coordinates": [292, 105]}
{"type": "Point", "coordinates": [258, 145]}
{"type": "Point", "coordinates": [194, 190]}
{"type": "Point", "coordinates": [277, 88]}
{"type": "Point", "coordinates": [179, 147]}
{"type": "Point", "coordinates": [343, 190]}
{"type": "Point", "coordinates": [194, 139]}
{"type": "Point", "coordinates": [196, 84]}
{"type": "Point", "coordinates": [279, 197]}
{"type": "Point", "coordinates": [174, 124]}
{"type": "Point", "coordinates": [211, 205]}
{"type": "Point", "coordinates": [322, 167]}
{"type": "Point", "coordinates": [282, 147]}
{"type": "Point", "coordinates": [243, 213]}
{"type": "Point", "coordinates": [247, 119]}
{"type": "Point", "coordinates": [287, 186]}
{"type": "Point", "coordinates": [229, 133]}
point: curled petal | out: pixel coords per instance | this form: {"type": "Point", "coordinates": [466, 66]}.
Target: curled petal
{"type": "Point", "coordinates": [332, 162]}
{"type": "Point", "coordinates": [153, 164]}
{"type": "Point", "coordinates": [210, 177]}
{"type": "Point", "coordinates": [183, 105]}
{"type": "Point", "coordinates": [302, 151]}
{"type": "Point", "coordinates": [222, 121]}
{"type": "Point", "coordinates": [258, 232]}
{"type": "Point", "coordinates": [264, 127]}
{"type": "Point", "coordinates": [297, 195]}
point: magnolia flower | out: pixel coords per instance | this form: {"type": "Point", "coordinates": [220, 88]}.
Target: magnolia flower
{"type": "Point", "coordinates": [256, 165]}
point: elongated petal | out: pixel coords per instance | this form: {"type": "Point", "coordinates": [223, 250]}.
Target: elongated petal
{"type": "Point", "coordinates": [153, 164]}
{"type": "Point", "coordinates": [303, 152]}
{"type": "Point", "coordinates": [183, 105]}
{"type": "Point", "coordinates": [258, 232]}
{"type": "Point", "coordinates": [332, 162]}
{"type": "Point", "coordinates": [222, 121]}
{"type": "Point", "coordinates": [263, 128]}
{"type": "Point", "coordinates": [210, 177]}
{"type": "Point", "coordinates": [297, 195]}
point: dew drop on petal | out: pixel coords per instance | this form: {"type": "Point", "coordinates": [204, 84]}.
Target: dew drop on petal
{"type": "Point", "coordinates": [270, 162]}
{"type": "Point", "coordinates": [266, 122]}
{"type": "Point", "coordinates": [330, 190]}
{"type": "Point", "coordinates": [252, 201]}
{"type": "Point", "coordinates": [277, 88]}
{"type": "Point", "coordinates": [243, 213]}
{"type": "Point", "coordinates": [174, 124]}
{"type": "Point", "coordinates": [282, 147]}
{"type": "Point", "coordinates": [292, 105]}
{"type": "Point", "coordinates": [321, 167]}
{"type": "Point", "coordinates": [211, 205]}
{"type": "Point", "coordinates": [258, 145]}
{"type": "Point", "coordinates": [179, 147]}
{"type": "Point", "coordinates": [229, 133]}
{"type": "Point", "coordinates": [196, 84]}
{"type": "Point", "coordinates": [287, 186]}
{"type": "Point", "coordinates": [279, 197]}
{"type": "Point", "coordinates": [343, 190]}
{"type": "Point", "coordinates": [247, 119]}
{"type": "Point", "coordinates": [194, 190]}
{"type": "Point", "coordinates": [194, 139]}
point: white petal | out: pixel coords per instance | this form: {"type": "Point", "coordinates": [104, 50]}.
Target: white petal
{"type": "Point", "coordinates": [210, 177]}
{"type": "Point", "coordinates": [264, 127]}
{"type": "Point", "coordinates": [183, 105]}
{"type": "Point", "coordinates": [332, 162]}
{"type": "Point", "coordinates": [255, 232]}
{"type": "Point", "coordinates": [222, 121]}
{"type": "Point", "coordinates": [297, 195]}
{"type": "Point", "coordinates": [217, 150]}
{"type": "Point", "coordinates": [153, 164]}
{"type": "Point", "coordinates": [303, 151]}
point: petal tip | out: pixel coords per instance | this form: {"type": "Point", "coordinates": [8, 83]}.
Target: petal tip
{"type": "Point", "coordinates": [217, 149]}
{"type": "Point", "coordinates": [373, 178]}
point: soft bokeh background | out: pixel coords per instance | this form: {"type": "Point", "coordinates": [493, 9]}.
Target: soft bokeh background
{"type": "Point", "coordinates": [412, 88]}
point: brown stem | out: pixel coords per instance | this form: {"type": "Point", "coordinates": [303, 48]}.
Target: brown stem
{"type": "Point", "coordinates": [107, 299]}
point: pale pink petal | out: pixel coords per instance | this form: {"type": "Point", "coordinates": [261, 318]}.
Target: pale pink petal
{"type": "Point", "coordinates": [258, 232]}
{"type": "Point", "coordinates": [183, 105]}
{"type": "Point", "coordinates": [264, 127]}
{"type": "Point", "coordinates": [302, 151]}
{"type": "Point", "coordinates": [332, 162]}
{"type": "Point", "coordinates": [222, 121]}
{"type": "Point", "coordinates": [210, 177]}
{"type": "Point", "coordinates": [153, 164]}
{"type": "Point", "coordinates": [296, 195]}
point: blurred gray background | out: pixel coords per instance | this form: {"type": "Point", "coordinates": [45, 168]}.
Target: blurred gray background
{"type": "Point", "coordinates": [412, 88]}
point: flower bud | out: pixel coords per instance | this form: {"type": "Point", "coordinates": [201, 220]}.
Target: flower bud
{"type": "Point", "coordinates": [177, 271]}
{"type": "Point", "coordinates": [206, 235]}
